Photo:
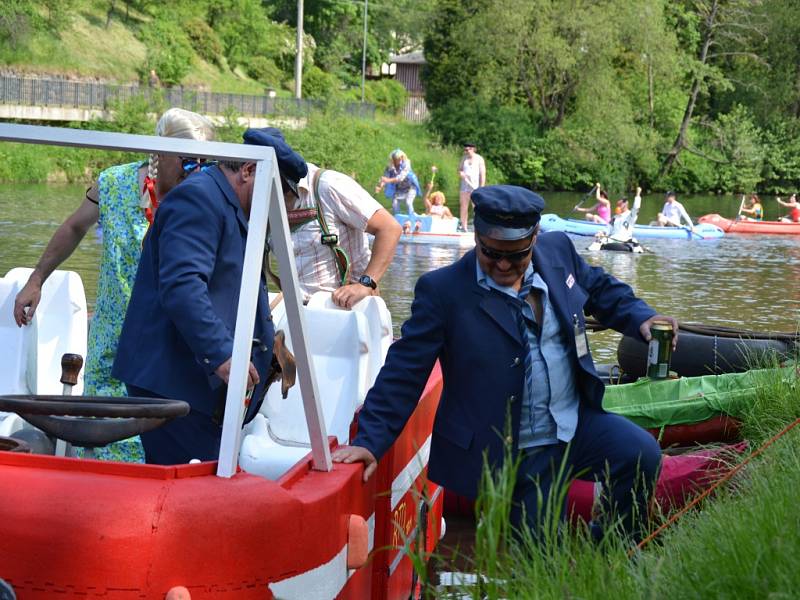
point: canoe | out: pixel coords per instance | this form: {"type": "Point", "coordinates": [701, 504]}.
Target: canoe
{"type": "Point", "coordinates": [745, 226]}
{"type": "Point", "coordinates": [424, 229]}
{"type": "Point", "coordinates": [702, 231]}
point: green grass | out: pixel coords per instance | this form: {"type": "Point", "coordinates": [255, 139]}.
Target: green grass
{"type": "Point", "coordinates": [743, 543]}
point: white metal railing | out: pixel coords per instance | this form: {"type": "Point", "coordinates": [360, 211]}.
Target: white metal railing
{"type": "Point", "coordinates": [267, 206]}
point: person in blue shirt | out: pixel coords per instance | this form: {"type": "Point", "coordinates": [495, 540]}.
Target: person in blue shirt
{"type": "Point", "coordinates": [506, 322]}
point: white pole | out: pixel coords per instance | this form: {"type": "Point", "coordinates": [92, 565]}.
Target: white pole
{"type": "Point", "coordinates": [364, 52]}
{"type": "Point", "coordinates": [293, 301]}
{"type": "Point", "coordinates": [298, 58]}
{"type": "Point", "coordinates": [268, 205]}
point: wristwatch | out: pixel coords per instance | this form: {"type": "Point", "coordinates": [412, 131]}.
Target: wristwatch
{"type": "Point", "coordinates": [368, 281]}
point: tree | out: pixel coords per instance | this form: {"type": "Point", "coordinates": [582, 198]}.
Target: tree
{"type": "Point", "coordinates": [721, 28]}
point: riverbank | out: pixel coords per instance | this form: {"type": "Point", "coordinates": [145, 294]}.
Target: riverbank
{"type": "Point", "coordinates": [357, 147]}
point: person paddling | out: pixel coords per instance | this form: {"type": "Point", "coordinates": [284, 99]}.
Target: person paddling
{"type": "Point", "coordinates": [673, 213]}
{"type": "Point", "coordinates": [601, 212]}
{"type": "Point", "coordinates": [794, 213]}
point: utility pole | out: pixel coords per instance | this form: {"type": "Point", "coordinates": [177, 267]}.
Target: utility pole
{"type": "Point", "coordinates": [364, 52]}
{"type": "Point", "coordinates": [298, 58]}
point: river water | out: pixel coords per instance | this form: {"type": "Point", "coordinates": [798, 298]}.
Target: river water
{"type": "Point", "coordinates": [742, 281]}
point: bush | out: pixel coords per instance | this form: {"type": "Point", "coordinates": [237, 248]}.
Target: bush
{"type": "Point", "coordinates": [204, 40]}
{"type": "Point", "coordinates": [265, 71]}
{"type": "Point", "coordinates": [387, 94]}
{"type": "Point", "coordinates": [169, 52]}
{"type": "Point", "coordinates": [317, 84]}
{"type": "Point", "coordinates": [504, 134]}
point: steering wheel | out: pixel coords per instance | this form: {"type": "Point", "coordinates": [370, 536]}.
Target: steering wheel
{"type": "Point", "coordinates": [92, 421]}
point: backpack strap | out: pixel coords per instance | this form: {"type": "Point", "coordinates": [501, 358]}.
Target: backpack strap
{"type": "Point", "coordinates": [330, 239]}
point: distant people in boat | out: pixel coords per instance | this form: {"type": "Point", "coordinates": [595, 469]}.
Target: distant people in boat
{"type": "Point", "coordinates": [625, 218]}
{"type": "Point", "coordinates": [754, 208]}
{"type": "Point", "coordinates": [495, 322]}
{"type": "Point", "coordinates": [122, 201]}
{"type": "Point", "coordinates": [177, 339]}
{"type": "Point", "coordinates": [794, 212]}
{"type": "Point", "coordinates": [601, 212]}
{"type": "Point", "coordinates": [673, 214]}
{"type": "Point", "coordinates": [399, 182]}
{"type": "Point", "coordinates": [472, 174]}
{"type": "Point", "coordinates": [331, 248]}
{"type": "Point", "coordinates": [435, 204]}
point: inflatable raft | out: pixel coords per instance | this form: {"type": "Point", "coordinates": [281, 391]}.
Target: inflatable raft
{"type": "Point", "coordinates": [703, 231]}
{"type": "Point", "coordinates": [751, 227]}
{"type": "Point", "coordinates": [704, 351]}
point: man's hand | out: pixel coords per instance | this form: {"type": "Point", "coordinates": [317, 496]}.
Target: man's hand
{"type": "Point", "coordinates": [644, 328]}
{"type": "Point", "coordinates": [351, 454]}
{"type": "Point", "coordinates": [28, 297]}
{"type": "Point", "coordinates": [224, 372]}
{"type": "Point", "coordinates": [347, 295]}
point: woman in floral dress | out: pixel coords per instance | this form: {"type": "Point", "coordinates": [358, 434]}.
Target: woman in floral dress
{"type": "Point", "coordinates": [122, 202]}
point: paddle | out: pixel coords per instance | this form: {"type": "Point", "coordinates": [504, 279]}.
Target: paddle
{"type": "Point", "coordinates": [589, 193]}
{"type": "Point", "coordinates": [741, 207]}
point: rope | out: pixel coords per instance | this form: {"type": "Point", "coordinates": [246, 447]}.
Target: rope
{"type": "Point", "coordinates": [714, 486]}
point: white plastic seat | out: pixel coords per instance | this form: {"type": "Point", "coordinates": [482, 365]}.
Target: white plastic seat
{"type": "Point", "coordinates": [347, 348]}
{"type": "Point", "coordinates": [30, 356]}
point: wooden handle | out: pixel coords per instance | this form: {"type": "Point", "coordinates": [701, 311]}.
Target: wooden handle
{"type": "Point", "coordinates": [71, 365]}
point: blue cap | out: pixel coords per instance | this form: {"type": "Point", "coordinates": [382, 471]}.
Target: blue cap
{"type": "Point", "coordinates": [291, 165]}
{"type": "Point", "coordinates": [506, 212]}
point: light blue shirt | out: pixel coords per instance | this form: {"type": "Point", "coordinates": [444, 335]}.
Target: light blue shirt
{"type": "Point", "coordinates": [550, 396]}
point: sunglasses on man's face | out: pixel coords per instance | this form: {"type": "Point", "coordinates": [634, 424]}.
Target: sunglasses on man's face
{"type": "Point", "coordinates": [511, 256]}
{"type": "Point", "coordinates": [190, 164]}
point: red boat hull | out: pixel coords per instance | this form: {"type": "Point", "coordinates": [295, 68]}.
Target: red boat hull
{"type": "Point", "coordinates": [744, 226]}
{"type": "Point", "coordinates": [82, 529]}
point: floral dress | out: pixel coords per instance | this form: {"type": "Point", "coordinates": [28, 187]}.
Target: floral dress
{"type": "Point", "coordinates": [123, 224]}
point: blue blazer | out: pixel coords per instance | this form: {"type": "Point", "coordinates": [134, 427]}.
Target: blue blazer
{"type": "Point", "coordinates": [182, 312]}
{"type": "Point", "coordinates": [474, 334]}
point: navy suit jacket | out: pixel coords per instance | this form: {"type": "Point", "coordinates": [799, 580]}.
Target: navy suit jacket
{"type": "Point", "coordinates": [182, 312]}
{"type": "Point", "coordinates": [473, 332]}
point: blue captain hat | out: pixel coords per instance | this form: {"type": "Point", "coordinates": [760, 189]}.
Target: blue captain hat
{"type": "Point", "coordinates": [291, 165]}
{"type": "Point", "coordinates": [506, 212]}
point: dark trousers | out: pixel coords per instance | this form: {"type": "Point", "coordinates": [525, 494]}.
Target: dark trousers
{"type": "Point", "coordinates": [178, 441]}
{"type": "Point", "coordinates": [607, 448]}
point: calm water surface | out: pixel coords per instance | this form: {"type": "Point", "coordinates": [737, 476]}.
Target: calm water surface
{"type": "Point", "coordinates": [743, 281]}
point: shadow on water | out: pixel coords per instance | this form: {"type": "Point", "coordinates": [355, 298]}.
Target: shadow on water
{"type": "Point", "coordinates": [747, 281]}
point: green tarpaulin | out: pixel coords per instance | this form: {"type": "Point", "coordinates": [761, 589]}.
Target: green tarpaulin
{"type": "Point", "coordinates": [657, 403]}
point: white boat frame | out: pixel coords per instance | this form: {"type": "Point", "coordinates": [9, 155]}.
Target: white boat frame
{"type": "Point", "coordinates": [267, 207]}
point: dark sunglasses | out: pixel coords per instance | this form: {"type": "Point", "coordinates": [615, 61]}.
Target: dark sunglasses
{"type": "Point", "coordinates": [190, 164]}
{"type": "Point", "coordinates": [512, 256]}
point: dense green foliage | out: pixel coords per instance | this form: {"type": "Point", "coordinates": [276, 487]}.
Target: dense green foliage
{"type": "Point", "coordinates": [247, 45]}
{"type": "Point", "coordinates": [697, 95]}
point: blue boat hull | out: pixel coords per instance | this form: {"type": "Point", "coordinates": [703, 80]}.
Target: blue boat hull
{"type": "Point", "coordinates": [702, 231]}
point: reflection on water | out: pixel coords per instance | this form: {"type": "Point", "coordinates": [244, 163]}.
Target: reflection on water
{"type": "Point", "coordinates": [742, 281]}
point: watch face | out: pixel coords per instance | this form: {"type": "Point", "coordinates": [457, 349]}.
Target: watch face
{"type": "Point", "coordinates": [367, 281]}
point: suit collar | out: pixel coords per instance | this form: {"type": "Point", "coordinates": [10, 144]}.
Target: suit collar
{"type": "Point", "coordinates": [230, 196]}
{"type": "Point", "coordinates": [496, 305]}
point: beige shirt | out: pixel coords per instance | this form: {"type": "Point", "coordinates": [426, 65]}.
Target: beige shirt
{"type": "Point", "coordinates": [346, 207]}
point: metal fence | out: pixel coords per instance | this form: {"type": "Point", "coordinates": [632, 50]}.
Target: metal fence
{"type": "Point", "coordinates": [28, 91]}
{"type": "Point", "coordinates": [415, 109]}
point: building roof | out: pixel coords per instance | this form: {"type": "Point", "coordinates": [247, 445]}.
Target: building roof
{"type": "Point", "coordinates": [413, 58]}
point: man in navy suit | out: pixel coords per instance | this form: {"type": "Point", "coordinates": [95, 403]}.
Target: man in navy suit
{"type": "Point", "coordinates": [177, 339]}
{"type": "Point", "coordinates": [506, 322]}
